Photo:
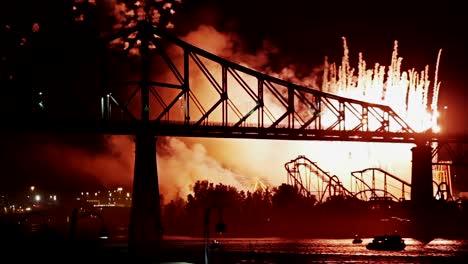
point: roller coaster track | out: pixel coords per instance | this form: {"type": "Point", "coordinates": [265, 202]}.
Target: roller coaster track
{"type": "Point", "coordinates": [300, 174]}
{"type": "Point", "coordinates": [360, 183]}
{"type": "Point", "coordinates": [367, 184]}
{"type": "Point", "coordinates": [360, 187]}
{"type": "Point", "coordinates": [310, 180]}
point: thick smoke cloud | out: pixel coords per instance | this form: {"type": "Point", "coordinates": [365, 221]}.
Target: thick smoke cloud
{"type": "Point", "coordinates": [181, 164]}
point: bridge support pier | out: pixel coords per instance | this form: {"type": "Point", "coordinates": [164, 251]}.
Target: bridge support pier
{"type": "Point", "coordinates": [145, 218]}
{"type": "Point", "coordinates": [421, 175]}
{"type": "Point", "coordinates": [422, 198]}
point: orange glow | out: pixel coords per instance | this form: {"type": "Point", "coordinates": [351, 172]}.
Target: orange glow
{"type": "Point", "coordinates": [405, 91]}
{"type": "Point", "coordinates": [240, 162]}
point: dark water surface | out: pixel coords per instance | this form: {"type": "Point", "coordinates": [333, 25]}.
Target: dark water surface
{"type": "Point", "coordinates": [283, 250]}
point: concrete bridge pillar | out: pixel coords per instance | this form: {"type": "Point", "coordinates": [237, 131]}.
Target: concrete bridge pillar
{"type": "Point", "coordinates": [145, 218]}
{"type": "Point", "coordinates": [421, 175]}
{"type": "Point", "coordinates": [422, 198]}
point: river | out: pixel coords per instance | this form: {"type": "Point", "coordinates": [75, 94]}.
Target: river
{"type": "Point", "coordinates": [284, 250]}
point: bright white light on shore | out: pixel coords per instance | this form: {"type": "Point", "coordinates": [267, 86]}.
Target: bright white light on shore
{"type": "Point", "coordinates": [32, 188]}
{"type": "Point", "coordinates": [37, 198]}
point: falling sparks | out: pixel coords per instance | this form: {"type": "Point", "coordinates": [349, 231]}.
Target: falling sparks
{"type": "Point", "coordinates": [80, 8]}
{"type": "Point", "coordinates": [159, 12]}
{"type": "Point", "coordinates": [435, 97]}
{"type": "Point", "coordinates": [128, 14]}
{"type": "Point", "coordinates": [406, 92]}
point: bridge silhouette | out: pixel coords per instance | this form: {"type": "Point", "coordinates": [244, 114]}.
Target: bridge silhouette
{"type": "Point", "coordinates": [229, 101]}
{"type": "Point", "coordinates": [243, 103]}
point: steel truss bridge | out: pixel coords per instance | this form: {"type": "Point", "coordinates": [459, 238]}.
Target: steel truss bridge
{"type": "Point", "coordinates": [370, 183]}
{"type": "Point", "coordinates": [187, 91]}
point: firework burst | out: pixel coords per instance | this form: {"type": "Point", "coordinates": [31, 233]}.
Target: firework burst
{"type": "Point", "coordinates": [128, 14]}
{"type": "Point", "coordinates": [159, 12]}
{"type": "Point", "coordinates": [407, 92]}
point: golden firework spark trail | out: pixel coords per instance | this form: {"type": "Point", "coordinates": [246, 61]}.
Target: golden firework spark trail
{"type": "Point", "coordinates": [404, 91]}
{"type": "Point", "coordinates": [435, 98]}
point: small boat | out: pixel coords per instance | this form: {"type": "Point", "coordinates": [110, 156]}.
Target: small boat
{"type": "Point", "coordinates": [387, 242]}
{"type": "Point", "coordinates": [357, 240]}
{"type": "Point", "coordinates": [215, 245]}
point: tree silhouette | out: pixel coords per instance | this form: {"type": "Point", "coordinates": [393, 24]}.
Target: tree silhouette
{"type": "Point", "coordinates": [173, 217]}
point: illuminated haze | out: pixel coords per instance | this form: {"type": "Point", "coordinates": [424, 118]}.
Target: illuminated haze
{"type": "Point", "coordinates": [239, 162]}
{"type": "Point", "coordinates": [266, 158]}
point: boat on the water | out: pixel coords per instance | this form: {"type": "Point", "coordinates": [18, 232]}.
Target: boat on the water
{"type": "Point", "coordinates": [357, 240]}
{"type": "Point", "coordinates": [215, 244]}
{"type": "Point", "coordinates": [387, 242]}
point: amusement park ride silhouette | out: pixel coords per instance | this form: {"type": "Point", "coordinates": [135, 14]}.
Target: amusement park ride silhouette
{"type": "Point", "coordinates": [366, 184]}
{"type": "Point", "coordinates": [232, 101]}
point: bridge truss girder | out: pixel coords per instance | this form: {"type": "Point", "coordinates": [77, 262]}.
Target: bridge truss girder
{"type": "Point", "coordinates": [241, 102]}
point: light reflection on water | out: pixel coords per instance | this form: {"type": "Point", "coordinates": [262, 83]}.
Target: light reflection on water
{"type": "Point", "coordinates": [341, 249]}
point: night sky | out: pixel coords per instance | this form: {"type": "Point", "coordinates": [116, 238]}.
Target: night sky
{"type": "Point", "coordinates": [303, 31]}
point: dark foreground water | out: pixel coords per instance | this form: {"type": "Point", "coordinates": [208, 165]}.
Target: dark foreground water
{"type": "Point", "coordinates": [233, 250]}
{"type": "Point", "coordinates": [282, 250]}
